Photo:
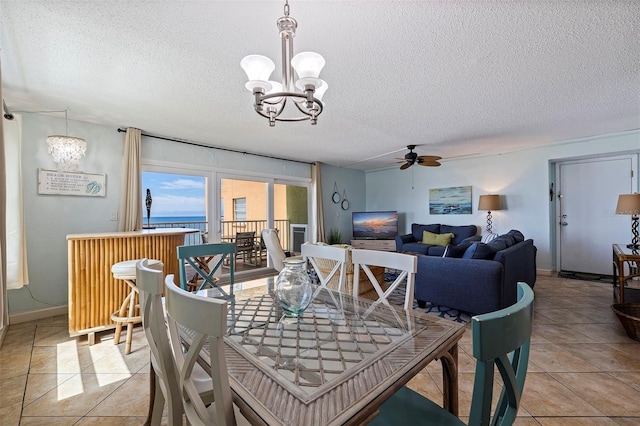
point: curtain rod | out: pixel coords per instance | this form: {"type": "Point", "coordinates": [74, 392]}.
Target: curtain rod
{"type": "Point", "coordinates": [215, 147]}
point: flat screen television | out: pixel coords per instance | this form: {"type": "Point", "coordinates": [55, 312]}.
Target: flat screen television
{"type": "Point", "coordinates": [375, 225]}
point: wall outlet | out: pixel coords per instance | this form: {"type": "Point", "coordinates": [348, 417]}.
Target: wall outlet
{"type": "Point", "coordinates": [113, 215]}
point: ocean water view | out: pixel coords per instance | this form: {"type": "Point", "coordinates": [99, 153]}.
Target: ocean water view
{"type": "Point", "coordinates": [195, 222]}
{"type": "Point", "coordinates": [175, 219]}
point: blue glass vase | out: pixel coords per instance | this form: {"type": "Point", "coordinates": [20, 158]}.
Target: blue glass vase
{"type": "Point", "coordinates": [293, 287]}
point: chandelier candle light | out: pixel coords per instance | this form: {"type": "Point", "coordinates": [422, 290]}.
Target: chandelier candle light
{"type": "Point", "coordinates": [271, 96]}
{"type": "Point", "coordinates": [67, 151]}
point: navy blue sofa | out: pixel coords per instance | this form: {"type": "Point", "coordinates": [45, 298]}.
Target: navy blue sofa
{"type": "Point", "coordinates": [413, 242]}
{"type": "Point", "coordinates": [483, 280]}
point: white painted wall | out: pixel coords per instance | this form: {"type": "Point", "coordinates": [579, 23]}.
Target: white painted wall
{"type": "Point", "coordinates": [50, 218]}
{"type": "Point", "coordinates": [521, 177]}
{"type": "Point", "coordinates": [353, 183]}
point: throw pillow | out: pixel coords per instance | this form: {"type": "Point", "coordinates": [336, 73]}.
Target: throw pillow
{"type": "Point", "coordinates": [436, 239]}
{"type": "Point", "coordinates": [487, 237]}
{"type": "Point", "coordinates": [479, 251]}
{"type": "Point", "coordinates": [519, 237]}
{"type": "Point", "coordinates": [455, 251]}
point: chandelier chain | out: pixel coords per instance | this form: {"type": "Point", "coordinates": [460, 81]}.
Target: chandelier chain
{"type": "Point", "coordinates": [286, 8]}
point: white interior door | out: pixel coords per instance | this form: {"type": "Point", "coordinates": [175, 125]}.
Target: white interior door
{"type": "Point", "coordinates": [587, 223]}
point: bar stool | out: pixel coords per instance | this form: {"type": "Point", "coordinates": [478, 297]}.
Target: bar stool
{"type": "Point", "coordinates": [129, 311]}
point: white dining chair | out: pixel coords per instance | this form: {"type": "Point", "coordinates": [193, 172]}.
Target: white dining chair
{"type": "Point", "coordinates": [407, 264]}
{"type": "Point", "coordinates": [206, 319]}
{"type": "Point", "coordinates": [150, 287]}
{"type": "Point", "coordinates": [313, 252]}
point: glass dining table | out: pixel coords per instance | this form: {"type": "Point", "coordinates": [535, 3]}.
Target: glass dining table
{"type": "Point", "coordinates": [335, 364]}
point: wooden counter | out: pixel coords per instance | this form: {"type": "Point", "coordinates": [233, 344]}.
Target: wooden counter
{"type": "Point", "coordinates": [93, 292]}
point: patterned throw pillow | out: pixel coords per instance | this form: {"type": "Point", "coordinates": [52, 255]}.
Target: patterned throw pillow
{"type": "Point", "coordinates": [487, 237]}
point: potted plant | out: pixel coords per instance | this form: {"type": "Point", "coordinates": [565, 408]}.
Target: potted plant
{"type": "Point", "coordinates": [335, 237]}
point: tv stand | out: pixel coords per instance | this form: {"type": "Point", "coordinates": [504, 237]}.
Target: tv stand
{"type": "Point", "coordinates": [382, 245]}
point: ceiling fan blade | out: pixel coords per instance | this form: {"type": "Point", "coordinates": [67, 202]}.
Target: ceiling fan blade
{"type": "Point", "coordinates": [405, 166]}
{"type": "Point", "coordinates": [429, 163]}
{"type": "Point", "coordinates": [429, 157]}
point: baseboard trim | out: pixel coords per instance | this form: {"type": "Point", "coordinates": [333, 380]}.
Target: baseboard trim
{"type": "Point", "coordinates": [39, 314]}
{"type": "Point", "coordinates": [546, 272]}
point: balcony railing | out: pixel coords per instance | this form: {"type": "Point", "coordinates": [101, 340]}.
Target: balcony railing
{"type": "Point", "coordinates": [229, 228]}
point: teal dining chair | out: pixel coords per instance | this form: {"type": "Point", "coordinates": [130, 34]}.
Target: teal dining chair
{"type": "Point", "coordinates": [500, 338]}
{"type": "Point", "coordinates": [202, 261]}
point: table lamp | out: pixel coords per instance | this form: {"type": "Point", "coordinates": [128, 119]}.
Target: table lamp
{"type": "Point", "coordinates": [630, 204]}
{"type": "Point", "coordinates": [489, 202]}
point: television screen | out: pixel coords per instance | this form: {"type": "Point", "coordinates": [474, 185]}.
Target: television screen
{"type": "Point", "coordinates": [375, 225]}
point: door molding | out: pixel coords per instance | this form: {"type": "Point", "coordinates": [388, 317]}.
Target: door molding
{"type": "Point", "coordinates": [554, 191]}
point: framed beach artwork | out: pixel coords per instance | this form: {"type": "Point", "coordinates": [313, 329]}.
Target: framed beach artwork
{"type": "Point", "coordinates": [452, 200]}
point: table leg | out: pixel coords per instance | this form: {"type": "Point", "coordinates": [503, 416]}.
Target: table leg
{"type": "Point", "coordinates": [450, 380]}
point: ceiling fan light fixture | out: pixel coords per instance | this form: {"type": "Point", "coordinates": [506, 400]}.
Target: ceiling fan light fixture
{"type": "Point", "coordinates": [269, 99]}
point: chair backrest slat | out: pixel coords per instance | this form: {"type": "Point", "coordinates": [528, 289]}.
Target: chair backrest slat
{"type": "Point", "coordinates": [407, 264]}
{"type": "Point", "coordinates": [205, 260]}
{"type": "Point", "coordinates": [312, 252]}
{"type": "Point", "coordinates": [501, 338]}
{"type": "Point", "coordinates": [206, 320]}
{"type": "Point", "coordinates": [150, 286]}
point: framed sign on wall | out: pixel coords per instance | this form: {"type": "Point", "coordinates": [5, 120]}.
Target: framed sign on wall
{"type": "Point", "coordinates": [55, 182]}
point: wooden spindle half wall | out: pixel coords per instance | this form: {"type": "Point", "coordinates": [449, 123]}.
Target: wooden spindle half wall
{"type": "Point", "coordinates": [93, 292]}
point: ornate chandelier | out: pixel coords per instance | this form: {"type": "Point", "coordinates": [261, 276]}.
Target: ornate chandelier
{"type": "Point", "coordinates": [67, 151]}
{"type": "Point", "coordinates": [271, 96]}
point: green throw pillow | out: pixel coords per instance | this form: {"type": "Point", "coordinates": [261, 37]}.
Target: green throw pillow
{"type": "Point", "coordinates": [436, 239]}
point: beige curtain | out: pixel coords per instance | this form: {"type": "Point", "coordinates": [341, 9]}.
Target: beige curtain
{"type": "Point", "coordinates": [316, 180]}
{"type": "Point", "coordinates": [130, 200]}
{"type": "Point", "coordinates": [16, 273]}
{"type": "Point", "coordinates": [4, 317]}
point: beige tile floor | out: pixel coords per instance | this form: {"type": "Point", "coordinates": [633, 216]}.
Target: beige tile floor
{"type": "Point", "coordinates": [583, 369]}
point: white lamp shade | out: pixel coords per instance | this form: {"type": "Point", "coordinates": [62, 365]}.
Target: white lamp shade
{"type": "Point", "coordinates": [308, 64]}
{"type": "Point", "coordinates": [257, 67]}
{"type": "Point", "coordinates": [275, 88]}
{"type": "Point", "coordinates": [319, 93]}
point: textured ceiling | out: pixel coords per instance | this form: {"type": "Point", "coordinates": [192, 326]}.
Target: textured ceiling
{"type": "Point", "coordinates": [455, 78]}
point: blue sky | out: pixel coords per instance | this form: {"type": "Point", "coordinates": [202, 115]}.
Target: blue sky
{"type": "Point", "coordinates": [174, 195]}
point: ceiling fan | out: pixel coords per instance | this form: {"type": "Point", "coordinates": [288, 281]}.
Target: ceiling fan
{"type": "Point", "coordinates": [411, 158]}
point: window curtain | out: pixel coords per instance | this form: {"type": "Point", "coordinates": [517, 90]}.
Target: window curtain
{"type": "Point", "coordinates": [317, 184]}
{"type": "Point", "coordinates": [16, 271]}
{"type": "Point", "coordinates": [130, 200]}
{"type": "Point", "coordinates": [4, 314]}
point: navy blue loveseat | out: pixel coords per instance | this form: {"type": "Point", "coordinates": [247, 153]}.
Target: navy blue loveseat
{"type": "Point", "coordinates": [483, 278]}
{"type": "Point", "coordinates": [413, 242]}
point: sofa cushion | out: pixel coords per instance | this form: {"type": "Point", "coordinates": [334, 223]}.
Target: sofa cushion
{"type": "Point", "coordinates": [479, 251]}
{"type": "Point", "coordinates": [436, 250]}
{"type": "Point", "coordinates": [503, 241]}
{"type": "Point", "coordinates": [460, 232]}
{"type": "Point", "coordinates": [517, 235]}
{"type": "Point", "coordinates": [416, 247]}
{"type": "Point", "coordinates": [436, 239]}
{"type": "Point", "coordinates": [455, 251]}
{"type": "Point", "coordinates": [417, 229]}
